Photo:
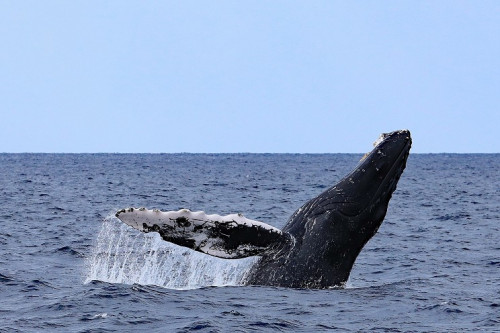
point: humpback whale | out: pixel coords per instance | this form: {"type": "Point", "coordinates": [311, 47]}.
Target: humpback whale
{"type": "Point", "coordinates": [321, 240]}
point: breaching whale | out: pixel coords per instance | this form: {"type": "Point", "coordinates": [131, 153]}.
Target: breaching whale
{"type": "Point", "coordinates": [319, 244]}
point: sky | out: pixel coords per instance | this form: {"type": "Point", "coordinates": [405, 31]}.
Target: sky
{"type": "Point", "coordinates": [248, 76]}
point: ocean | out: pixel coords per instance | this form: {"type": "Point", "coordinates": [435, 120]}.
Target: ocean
{"type": "Point", "coordinates": [68, 265]}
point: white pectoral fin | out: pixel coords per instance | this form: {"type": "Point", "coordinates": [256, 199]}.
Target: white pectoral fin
{"type": "Point", "coordinates": [230, 237]}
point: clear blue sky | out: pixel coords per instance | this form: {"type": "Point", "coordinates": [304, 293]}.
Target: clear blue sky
{"type": "Point", "coordinates": [248, 76]}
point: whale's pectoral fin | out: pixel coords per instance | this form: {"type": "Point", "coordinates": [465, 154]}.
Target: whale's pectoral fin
{"type": "Point", "coordinates": [230, 237]}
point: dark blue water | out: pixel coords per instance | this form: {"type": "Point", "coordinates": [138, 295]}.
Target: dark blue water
{"type": "Point", "coordinates": [67, 265]}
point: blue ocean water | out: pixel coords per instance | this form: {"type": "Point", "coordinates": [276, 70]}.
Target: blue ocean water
{"type": "Point", "coordinates": [68, 265]}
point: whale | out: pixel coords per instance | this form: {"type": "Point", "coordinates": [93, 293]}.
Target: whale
{"type": "Point", "coordinates": [320, 242]}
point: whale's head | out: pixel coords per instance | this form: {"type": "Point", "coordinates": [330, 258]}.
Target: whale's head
{"type": "Point", "coordinates": [366, 191]}
{"type": "Point", "coordinates": [363, 195]}
{"type": "Point", "coordinates": [333, 227]}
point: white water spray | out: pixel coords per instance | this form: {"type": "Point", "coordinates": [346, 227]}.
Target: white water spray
{"type": "Point", "coordinates": [123, 255]}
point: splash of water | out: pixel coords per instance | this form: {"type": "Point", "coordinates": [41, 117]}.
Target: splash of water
{"type": "Point", "coordinates": [123, 255]}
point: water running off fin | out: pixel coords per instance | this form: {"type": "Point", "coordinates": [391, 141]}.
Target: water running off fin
{"type": "Point", "coordinates": [121, 255]}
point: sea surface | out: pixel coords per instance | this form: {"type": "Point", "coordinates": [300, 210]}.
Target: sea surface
{"type": "Point", "coordinates": [68, 265]}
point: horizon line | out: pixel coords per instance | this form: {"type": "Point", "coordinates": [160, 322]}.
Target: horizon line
{"type": "Point", "coordinates": [231, 153]}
